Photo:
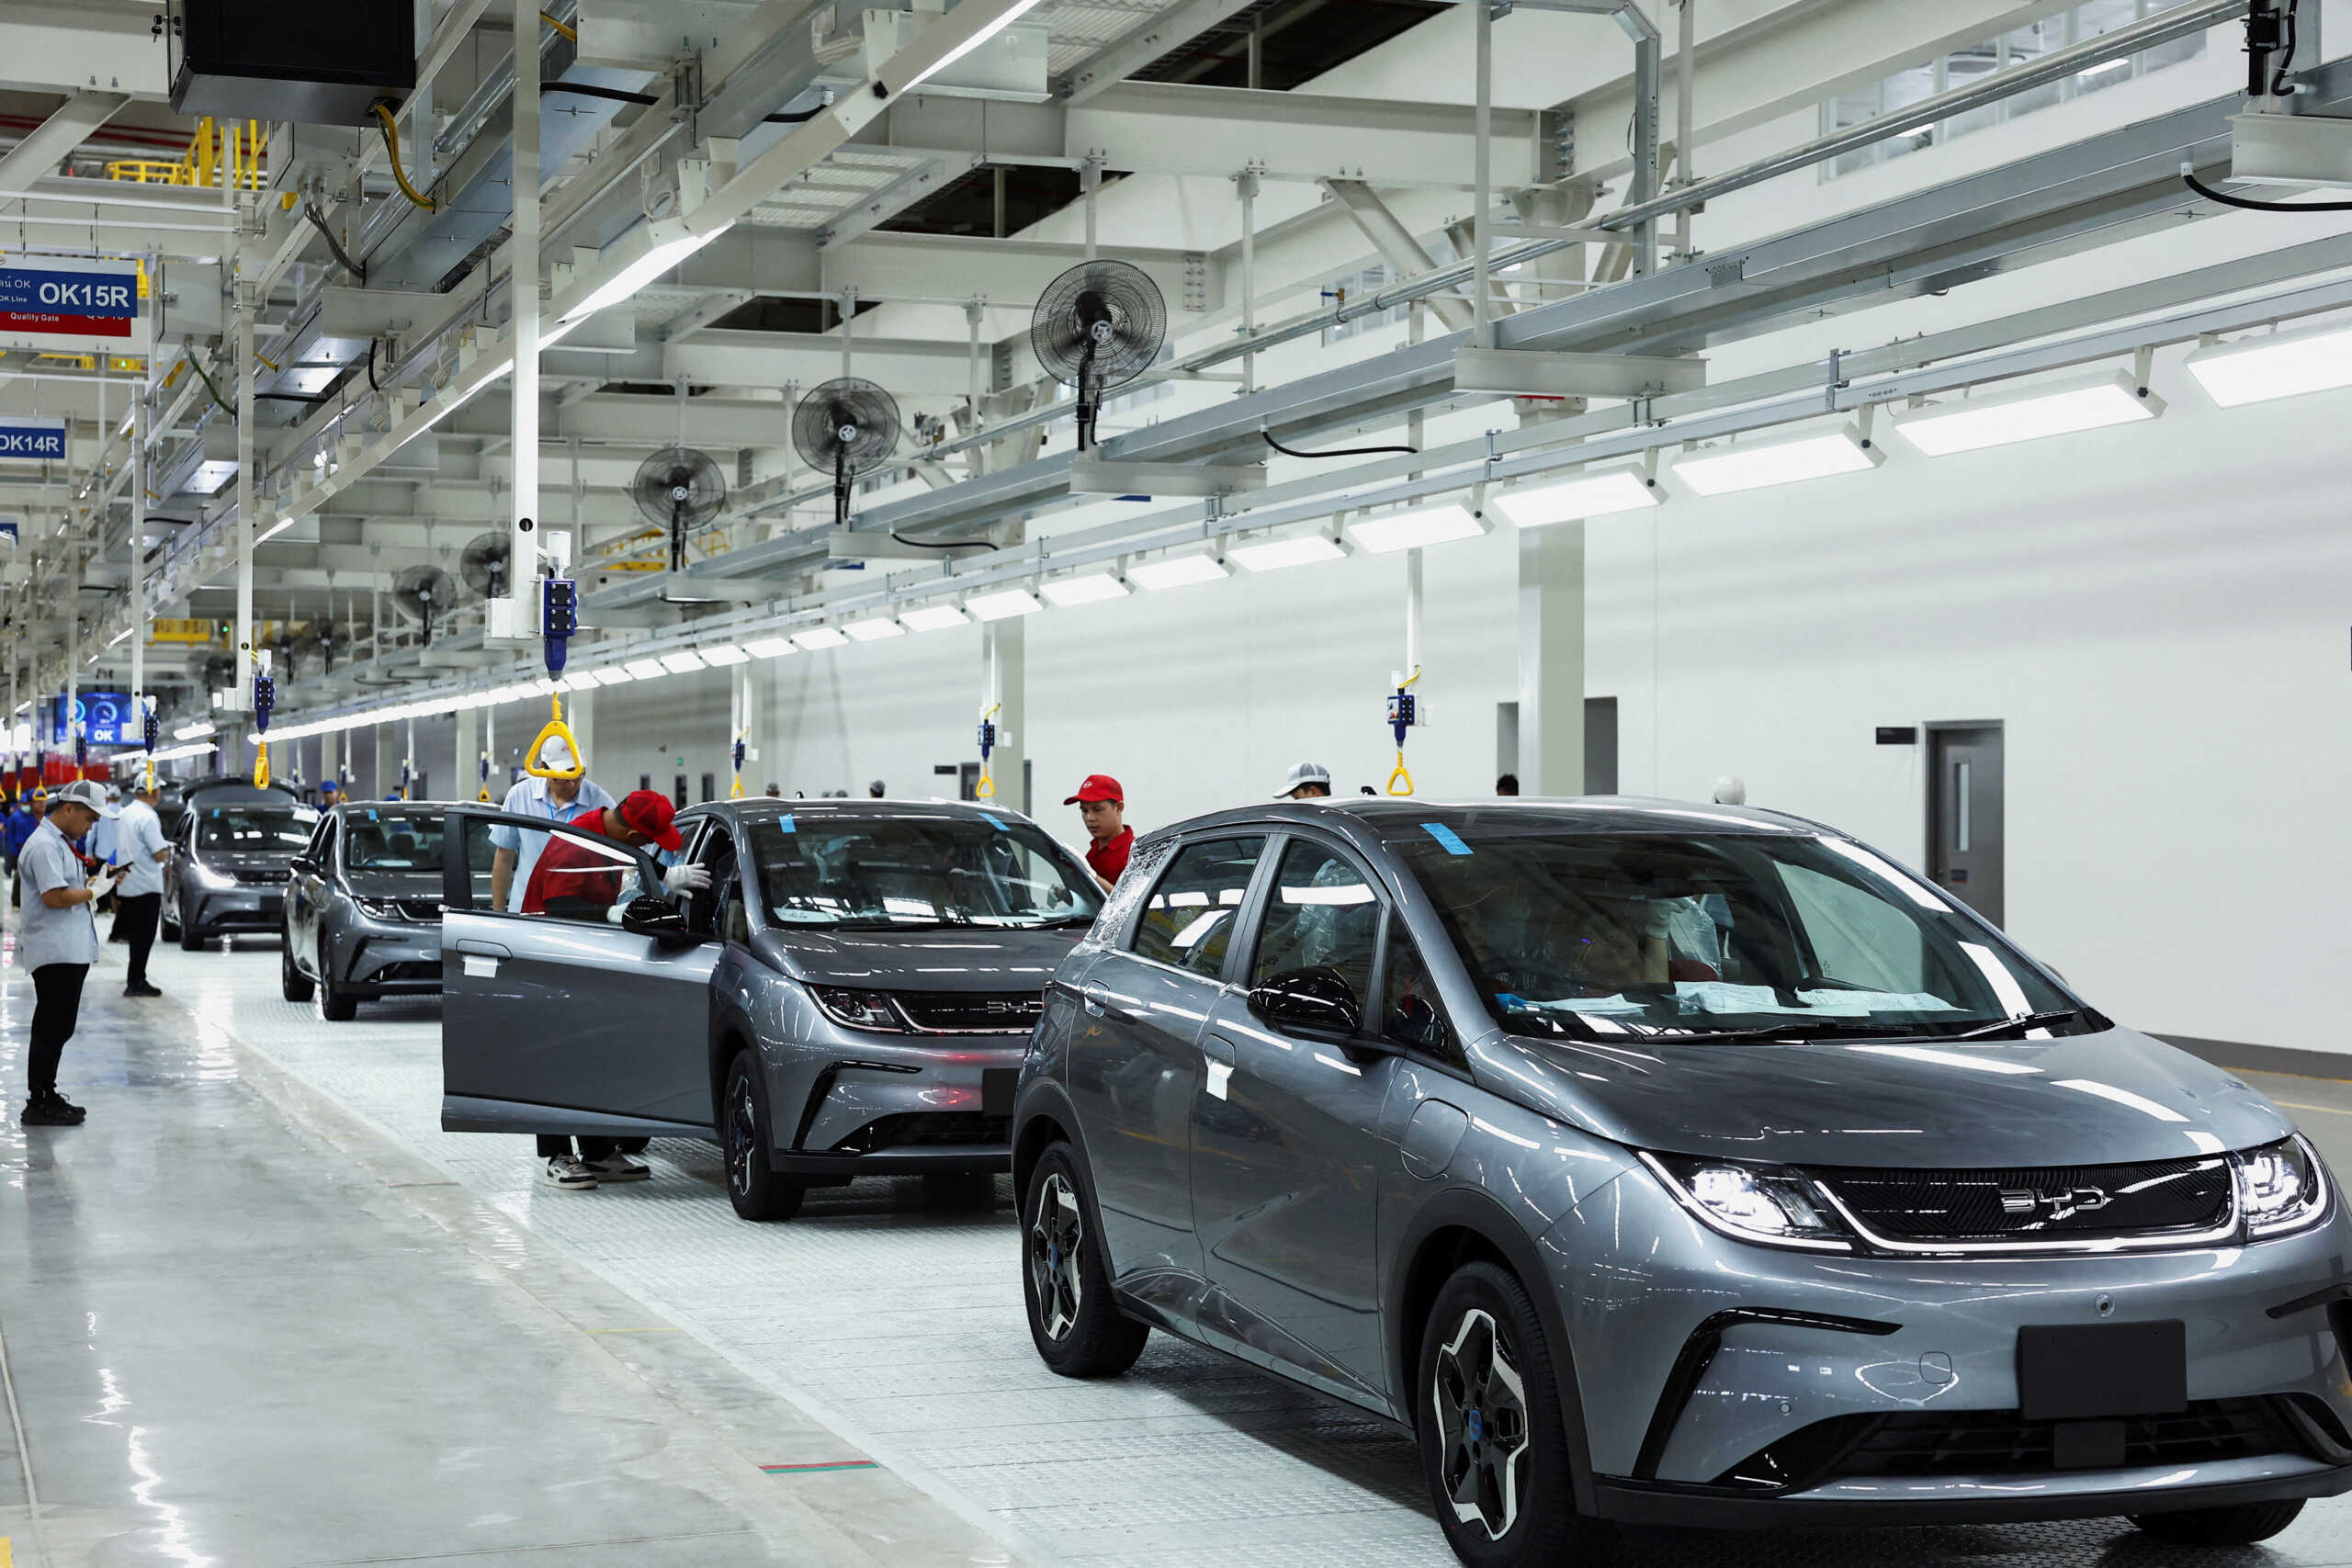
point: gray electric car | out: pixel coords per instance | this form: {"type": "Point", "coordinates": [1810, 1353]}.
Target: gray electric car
{"type": "Point", "coordinates": [1680, 1164]}
{"type": "Point", "coordinates": [232, 852]}
{"type": "Point", "coordinates": [852, 996]}
{"type": "Point", "coordinates": [363, 910]}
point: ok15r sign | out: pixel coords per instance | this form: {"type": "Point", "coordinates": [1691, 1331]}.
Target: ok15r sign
{"type": "Point", "coordinates": [94, 306]}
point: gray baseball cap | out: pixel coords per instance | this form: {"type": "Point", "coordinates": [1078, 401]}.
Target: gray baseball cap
{"type": "Point", "coordinates": [83, 791]}
{"type": "Point", "coordinates": [1304, 773]}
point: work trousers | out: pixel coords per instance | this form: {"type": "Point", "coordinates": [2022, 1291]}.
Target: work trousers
{"type": "Point", "coordinates": [591, 1149]}
{"type": "Point", "coordinates": [135, 917]}
{"type": "Point", "coordinates": [57, 1007]}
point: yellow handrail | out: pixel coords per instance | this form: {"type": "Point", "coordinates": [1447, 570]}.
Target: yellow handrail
{"type": "Point", "coordinates": [201, 164]}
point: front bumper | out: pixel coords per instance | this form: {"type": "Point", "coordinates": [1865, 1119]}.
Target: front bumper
{"type": "Point", "coordinates": [240, 909]}
{"type": "Point", "coordinates": [1721, 1379]}
{"type": "Point", "coordinates": [878, 1110]}
{"type": "Point", "coordinates": [378, 958]}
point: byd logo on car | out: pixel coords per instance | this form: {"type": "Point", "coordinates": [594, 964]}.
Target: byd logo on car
{"type": "Point", "coordinates": [2073, 1200]}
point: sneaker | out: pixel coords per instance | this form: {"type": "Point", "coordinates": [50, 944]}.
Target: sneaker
{"type": "Point", "coordinates": [51, 1109]}
{"type": "Point", "coordinates": [571, 1173]}
{"type": "Point", "coordinates": [142, 989]}
{"type": "Point", "coordinates": [618, 1166]}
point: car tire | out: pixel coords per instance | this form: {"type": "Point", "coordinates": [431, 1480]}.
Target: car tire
{"type": "Point", "coordinates": [1493, 1438]}
{"type": "Point", "coordinates": [1078, 1330]}
{"type": "Point", "coordinates": [758, 1190]}
{"type": "Point", "coordinates": [292, 983]}
{"type": "Point", "coordinates": [335, 1004]}
{"type": "Point", "coordinates": [2240, 1526]}
{"type": "Point", "coordinates": [191, 936]}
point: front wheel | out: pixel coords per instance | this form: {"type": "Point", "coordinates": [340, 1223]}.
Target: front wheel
{"type": "Point", "coordinates": [292, 983]}
{"type": "Point", "coordinates": [336, 1004]}
{"type": "Point", "coordinates": [1078, 1328]}
{"type": "Point", "coordinates": [757, 1190]}
{"type": "Point", "coordinates": [2240, 1526]}
{"type": "Point", "coordinates": [1494, 1444]}
{"type": "Point", "coordinates": [191, 939]}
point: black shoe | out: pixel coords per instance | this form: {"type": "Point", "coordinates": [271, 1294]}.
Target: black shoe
{"type": "Point", "coordinates": [141, 989]}
{"type": "Point", "coordinates": [51, 1109]}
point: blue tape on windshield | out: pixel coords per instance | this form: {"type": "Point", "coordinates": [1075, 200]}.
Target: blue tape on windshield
{"type": "Point", "coordinates": [1446, 836]}
{"type": "Point", "coordinates": [995, 822]}
{"type": "Point", "coordinates": [784, 824]}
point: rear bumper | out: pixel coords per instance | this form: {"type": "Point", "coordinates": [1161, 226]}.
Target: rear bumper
{"type": "Point", "coordinates": [1992, 1499]}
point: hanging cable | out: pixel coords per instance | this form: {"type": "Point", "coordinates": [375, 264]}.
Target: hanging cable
{"type": "Point", "coordinates": [392, 152]}
{"type": "Point", "coordinates": [571, 33]}
{"type": "Point", "coordinates": [942, 544]}
{"type": "Point", "coordinates": [318, 220]}
{"type": "Point", "coordinates": [803, 117]}
{"type": "Point", "coordinates": [371, 366]}
{"type": "Point", "coordinates": [208, 387]}
{"type": "Point", "coordinates": [1337, 451]}
{"type": "Point", "coordinates": [2226, 199]}
{"type": "Point", "coordinates": [2286, 49]}
{"type": "Point", "coordinates": [590, 90]}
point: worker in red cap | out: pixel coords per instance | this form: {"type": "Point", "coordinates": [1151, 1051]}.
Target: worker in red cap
{"type": "Point", "coordinates": [1103, 806]}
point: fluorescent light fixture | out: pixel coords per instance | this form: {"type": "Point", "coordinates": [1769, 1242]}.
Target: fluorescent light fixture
{"type": "Point", "coordinates": [646, 668]}
{"type": "Point", "coordinates": [932, 617]}
{"type": "Point", "coordinates": [2028, 414]}
{"type": "Point", "coordinates": [679, 660]}
{"type": "Point", "coordinates": [1003, 605]}
{"type": "Point", "coordinates": [1411, 530]}
{"type": "Point", "coordinates": [1092, 588]}
{"type": "Point", "coordinates": [541, 685]}
{"type": "Point", "coordinates": [1754, 466]}
{"type": "Point", "coordinates": [2282, 365]}
{"type": "Point", "coordinates": [196, 731]}
{"type": "Point", "coordinates": [769, 647]}
{"type": "Point", "coordinates": [1012, 13]}
{"type": "Point", "coordinates": [875, 629]}
{"type": "Point", "coordinates": [1278, 555]}
{"type": "Point", "coordinates": [636, 259]}
{"type": "Point", "coordinates": [721, 654]}
{"type": "Point", "coordinates": [1177, 571]}
{"type": "Point", "coordinates": [613, 676]}
{"type": "Point", "coordinates": [1593, 493]}
{"type": "Point", "coordinates": [578, 680]}
{"type": "Point", "coordinates": [814, 638]}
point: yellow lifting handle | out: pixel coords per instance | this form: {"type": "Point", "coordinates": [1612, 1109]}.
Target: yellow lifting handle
{"type": "Point", "coordinates": [984, 788]}
{"type": "Point", "coordinates": [261, 766]}
{"type": "Point", "coordinates": [555, 729]}
{"type": "Point", "coordinates": [1399, 772]}
{"type": "Point", "coordinates": [735, 790]}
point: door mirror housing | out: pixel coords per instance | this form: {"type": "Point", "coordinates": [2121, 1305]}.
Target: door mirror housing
{"type": "Point", "coordinates": [661, 920]}
{"type": "Point", "coordinates": [1316, 1000]}
{"type": "Point", "coordinates": [304, 866]}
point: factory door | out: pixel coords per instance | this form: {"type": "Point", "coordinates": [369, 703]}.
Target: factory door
{"type": "Point", "coordinates": [1964, 813]}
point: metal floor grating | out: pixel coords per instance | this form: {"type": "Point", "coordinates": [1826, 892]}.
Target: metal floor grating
{"type": "Point", "coordinates": [900, 1325]}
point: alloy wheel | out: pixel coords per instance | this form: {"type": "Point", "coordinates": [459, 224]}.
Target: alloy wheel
{"type": "Point", "coordinates": [1055, 1237]}
{"type": "Point", "coordinates": [743, 1136]}
{"type": "Point", "coordinates": [1482, 1424]}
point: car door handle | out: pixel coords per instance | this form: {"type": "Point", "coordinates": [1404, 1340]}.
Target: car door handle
{"type": "Point", "coordinates": [1217, 1048]}
{"type": "Point", "coordinates": [482, 949]}
{"type": "Point", "coordinates": [1096, 999]}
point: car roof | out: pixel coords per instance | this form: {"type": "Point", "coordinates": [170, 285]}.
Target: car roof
{"type": "Point", "coordinates": [1371, 818]}
{"type": "Point", "coordinates": [767, 807]}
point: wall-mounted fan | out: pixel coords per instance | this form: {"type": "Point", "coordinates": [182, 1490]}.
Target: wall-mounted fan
{"type": "Point", "coordinates": [1098, 326]}
{"type": "Point", "coordinates": [681, 490]}
{"type": "Point", "coordinates": [425, 593]}
{"type": "Point", "coordinates": [482, 563]}
{"type": "Point", "coordinates": [848, 428]}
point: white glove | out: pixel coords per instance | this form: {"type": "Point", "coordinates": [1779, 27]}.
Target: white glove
{"type": "Point", "coordinates": [103, 884]}
{"type": "Point", "coordinates": [685, 878]}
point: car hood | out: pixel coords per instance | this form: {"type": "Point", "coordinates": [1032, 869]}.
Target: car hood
{"type": "Point", "coordinates": [244, 860]}
{"type": "Point", "coordinates": [950, 960]}
{"type": "Point", "coordinates": [2103, 1099]}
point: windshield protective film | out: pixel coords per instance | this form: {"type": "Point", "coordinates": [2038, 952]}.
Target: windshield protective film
{"type": "Point", "coordinates": [901, 873]}
{"type": "Point", "coordinates": [251, 829]}
{"type": "Point", "coordinates": [1612, 936]}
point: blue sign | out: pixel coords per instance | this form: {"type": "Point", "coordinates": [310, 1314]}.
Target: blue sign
{"type": "Point", "coordinates": [109, 716]}
{"type": "Point", "coordinates": [114, 294]}
{"type": "Point", "coordinates": [32, 440]}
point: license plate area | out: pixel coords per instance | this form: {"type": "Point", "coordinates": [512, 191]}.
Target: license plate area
{"type": "Point", "coordinates": [997, 1085]}
{"type": "Point", "coordinates": [2097, 1372]}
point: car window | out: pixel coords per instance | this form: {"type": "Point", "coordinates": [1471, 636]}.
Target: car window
{"type": "Point", "coordinates": [379, 841]}
{"type": "Point", "coordinates": [1188, 921]}
{"type": "Point", "coordinates": [258, 830]}
{"type": "Point", "coordinates": [322, 845]}
{"type": "Point", "coordinates": [559, 874]}
{"type": "Point", "coordinates": [1858, 940]}
{"type": "Point", "coordinates": [715, 852]}
{"type": "Point", "coordinates": [1322, 914]}
{"type": "Point", "coordinates": [907, 871]}
{"type": "Point", "coordinates": [1410, 1012]}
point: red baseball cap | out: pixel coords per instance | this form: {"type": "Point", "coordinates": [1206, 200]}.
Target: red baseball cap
{"type": "Point", "coordinates": [1098, 786]}
{"type": "Point", "coordinates": [652, 815]}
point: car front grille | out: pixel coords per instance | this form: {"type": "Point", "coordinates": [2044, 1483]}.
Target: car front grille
{"type": "Point", "coordinates": [2053, 1203]}
{"type": "Point", "coordinates": [405, 970]}
{"type": "Point", "coordinates": [264, 878]}
{"type": "Point", "coordinates": [971, 1012]}
{"type": "Point", "coordinates": [1926, 1443]}
{"type": "Point", "coordinates": [922, 1129]}
{"type": "Point", "coordinates": [426, 909]}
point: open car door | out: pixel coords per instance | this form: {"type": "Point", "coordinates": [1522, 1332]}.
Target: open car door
{"type": "Point", "coordinates": [556, 1016]}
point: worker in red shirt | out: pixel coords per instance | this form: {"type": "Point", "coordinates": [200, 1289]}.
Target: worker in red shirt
{"type": "Point", "coordinates": [571, 879]}
{"type": "Point", "coordinates": [1102, 804]}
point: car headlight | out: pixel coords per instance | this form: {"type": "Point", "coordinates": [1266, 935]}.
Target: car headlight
{"type": "Point", "coordinates": [1766, 1203]}
{"type": "Point", "coordinates": [208, 877]}
{"type": "Point", "coordinates": [378, 911]}
{"type": "Point", "coordinates": [859, 1009]}
{"type": "Point", "coordinates": [2282, 1187]}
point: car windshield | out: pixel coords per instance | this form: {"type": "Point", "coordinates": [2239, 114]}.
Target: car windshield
{"type": "Point", "coordinates": [253, 829]}
{"type": "Point", "coordinates": [1714, 936]}
{"type": "Point", "coordinates": [377, 840]}
{"type": "Point", "coordinates": [952, 869]}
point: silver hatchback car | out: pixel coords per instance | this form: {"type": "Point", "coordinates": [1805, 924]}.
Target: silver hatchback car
{"type": "Point", "coordinates": [851, 997]}
{"type": "Point", "coordinates": [1674, 1165]}
{"type": "Point", "coordinates": [363, 908]}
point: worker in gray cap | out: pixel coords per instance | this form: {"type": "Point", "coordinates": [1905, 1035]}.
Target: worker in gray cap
{"type": "Point", "coordinates": [1309, 781]}
{"type": "Point", "coordinates": [57, 939]}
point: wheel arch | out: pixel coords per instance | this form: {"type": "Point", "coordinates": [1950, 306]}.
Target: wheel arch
{"type": "Point", "coordinates": [1462, 1225]}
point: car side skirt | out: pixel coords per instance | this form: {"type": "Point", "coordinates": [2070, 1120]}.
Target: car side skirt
{"type": "Point", "coordinates": [470, 1113]}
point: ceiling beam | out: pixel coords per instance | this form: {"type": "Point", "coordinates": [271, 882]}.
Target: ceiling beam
{"type": "Point", "coordinates": [1160, 127]}
{"type": "Point", "coordinates": [46, 144]}
{"type": "Point", "coordinates": [48, 48]}
{"type": "Point", "coordinates": [1142, 44]}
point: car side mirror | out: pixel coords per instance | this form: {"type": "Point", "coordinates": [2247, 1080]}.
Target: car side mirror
{"type": "Point", "coordinates": [1316, 1000]}
{"type": "Point", "coordinates": [304, 866]}
{"type": "Point", "coordinates": [661, 920]}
